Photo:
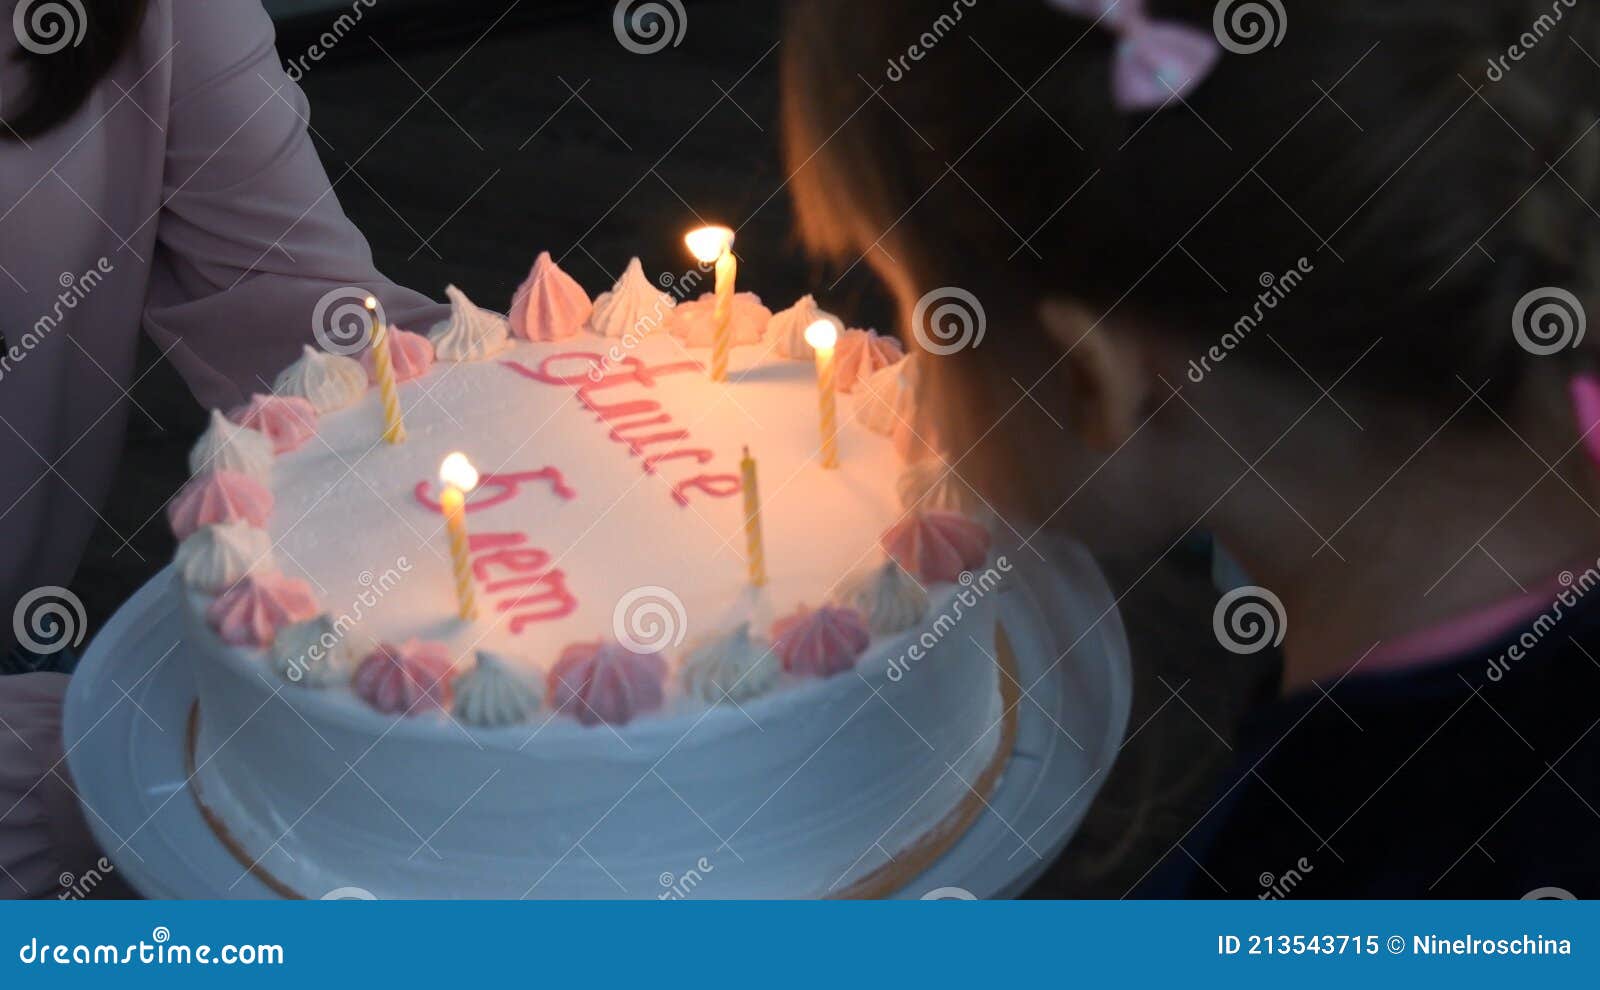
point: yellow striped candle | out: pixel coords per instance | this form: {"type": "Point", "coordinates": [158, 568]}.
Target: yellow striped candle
{"type": "Point", "coordinates": [722, 343]}
{"type": "Point", "coordinates": [394, 425]}
{"type": "Point", "coordinates": [714, 245]}
{"type": "Point", "coordinates": [823, 336]}
{"type": "Point", "coordinates": [755, 551]}
{"type": "Point", "coordinates": [459, 477]}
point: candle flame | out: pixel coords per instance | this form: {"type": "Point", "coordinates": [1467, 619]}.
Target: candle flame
{"type": "Point", "coordinates": [458, 472]}
{"type": "Point", "coordinates": [372, 304]}
{"type": "Point", "coordinates": [822, 335]}
{"type": "Point", "coordinates": [709, 243]}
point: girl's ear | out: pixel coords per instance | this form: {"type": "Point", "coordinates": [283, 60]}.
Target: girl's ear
{"type": "Point", "coordinates": [1107, 381]}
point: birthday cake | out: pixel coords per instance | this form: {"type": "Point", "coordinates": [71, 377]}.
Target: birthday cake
{"type": "Point", "coordinates": [501, 608]}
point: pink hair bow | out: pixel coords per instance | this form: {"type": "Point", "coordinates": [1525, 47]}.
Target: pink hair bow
{"type": "Point", "coordinates": [1156, 60]}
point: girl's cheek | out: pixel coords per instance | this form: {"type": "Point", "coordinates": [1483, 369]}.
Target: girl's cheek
{"type": "Point", "coordinates": [1122, 503]}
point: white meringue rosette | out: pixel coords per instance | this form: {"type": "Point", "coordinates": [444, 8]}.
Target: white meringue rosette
{"type": "Point", "coordinates": [886, 401]}
{"type": "Point", "coordinates": [328, 381]}
{"type": "Point", "coordinates": [492, 694]}
{"type": "Point", "coordinates": [889, 597]}
{"type": "Point", "coordinates": [471, 334]}
{"type": "Point", "coordinates": [733, 666]}
{"type": "Point", "coordinates": [787, 329]}
{"type": "Point", "coordinates": [633, 307]}
{"type": "Point", "coordinates": [227, 446]}
{"type": "Point", "coordinates": [319, 652]}
{"type": "Point", "coordinates": [215, 558]}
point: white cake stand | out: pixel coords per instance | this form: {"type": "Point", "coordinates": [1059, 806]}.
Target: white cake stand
{"type": "Point", "coordinates": [129, 701]}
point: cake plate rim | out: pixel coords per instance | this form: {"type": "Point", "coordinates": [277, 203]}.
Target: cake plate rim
{"type": "Point", "coordinates": [131, 780]}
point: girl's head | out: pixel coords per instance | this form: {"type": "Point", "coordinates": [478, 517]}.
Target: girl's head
{"type": "Point", "coordinates": [1358, 206]}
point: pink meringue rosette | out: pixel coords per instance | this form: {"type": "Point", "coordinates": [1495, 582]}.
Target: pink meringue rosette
{"type": "Point", "coordinates": [937, 546]}
{"type": "Point", "coordinates": [217, 497]}
{"type": "Point", "coordinates": [820, 642]}
{"type": "Point", "coordinates": [550, 305]}
{"type": "Point", "coordinates": [411, 679]}
{"type": "Point", "coordinates": [287, 420]}
{"type": "Point", "coordinates": [695, 322]}
{"type": "Point", "coordinates": [251, 612]}
{"type": "Point", "coordinates": [410, 353]}
{"type": "Point", "coordinates": [860, 354]}
{"type": "Point", "coordinates": [606, 683]}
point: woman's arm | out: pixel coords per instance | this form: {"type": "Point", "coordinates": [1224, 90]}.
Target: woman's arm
{"type": "Point", "coordinates": [45, 843]}
{"type": "Point", "coordinates": [251, 235]}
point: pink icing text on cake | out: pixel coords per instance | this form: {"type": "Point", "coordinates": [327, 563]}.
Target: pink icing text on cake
{"type": "Point", "coordinates": [505, 563]}
{"type": "Point", "coordinates": [592, 374]}
{"type": "Point", "coordinates": [542, 594]}
{"type": "Point", "coordinates": [505, 488]}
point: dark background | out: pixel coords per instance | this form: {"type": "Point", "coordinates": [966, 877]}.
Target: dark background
{"type": "Point", "coordinates": [464, 137]}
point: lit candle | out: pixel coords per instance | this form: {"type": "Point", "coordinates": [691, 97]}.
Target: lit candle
{"type": "Point", "coordinates": [394, 425]}
{"type": "Point", "coordinates": [459, 477]}
{"type": "Point", "coordinates": [714, 245]}
{"type": "Point", "coordinates": [755, 552]}
{"type": "Point", "coordinates": [822, 336]}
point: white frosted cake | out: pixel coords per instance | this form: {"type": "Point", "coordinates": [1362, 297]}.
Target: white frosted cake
{"type": "Point", "coordinates": [632, 712]}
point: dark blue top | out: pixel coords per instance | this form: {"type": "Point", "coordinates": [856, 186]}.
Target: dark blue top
{"type": "Point", "coordinates": [1477, 777]}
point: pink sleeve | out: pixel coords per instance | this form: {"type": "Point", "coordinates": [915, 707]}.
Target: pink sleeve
{"type": "Point", "coordinates": [251, 235]}
{"type": "Point", "coordinates": [44, 844]}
